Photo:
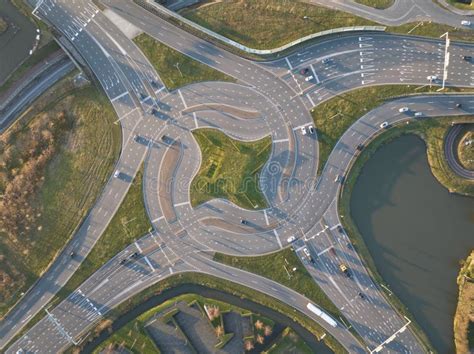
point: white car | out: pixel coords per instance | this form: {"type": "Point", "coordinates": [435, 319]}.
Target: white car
{"type": "Point", "coordinates": [466, 23]}
{"type": "Point", "coordinates": [403, 109]}
{"type": "Point", "coordinates": [432, 78]}
{"type": "Point", "coordinates": [311, 129]}
{"type": "Point", "coordinates": [116, 173]}
{"type": "Point", "coordinates": [303, 130]}
{"type": "Point", "coordinates": [384, 125]}
{"type": "Point", "coordinates": [306, 252]}
{"type": "Point", "coordinates": [291, 239]}
{"type": "Point", "coordinates": [419, 114]}
{"type": "Point", "coordinates": [309, 78]}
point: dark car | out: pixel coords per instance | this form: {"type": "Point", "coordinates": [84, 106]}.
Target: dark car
{"type": "Point", "coordinates": [244, 222]}
{"type": "Point", "coordinates": [304, 71]}
{"type": "Point", "coordinates": [135, 255]}
{"type": "Point", "coordinates": [123, 261]}
{"type": "Point", "coordinates": [362, 296]}
{"type": "Point", "coordinates": [339, 228]}
{"type": "Point", "coordinates": [467, 57]}
{"type": "Point", "coordinates": [360, 147]}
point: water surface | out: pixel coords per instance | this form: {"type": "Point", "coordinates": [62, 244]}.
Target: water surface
{"type": "Point", "coordinates": [416, 231]}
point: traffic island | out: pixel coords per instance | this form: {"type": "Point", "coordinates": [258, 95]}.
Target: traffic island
{"type": "Point", "coordinates": [466, 147]}
{"type": "Point", "coordinates": [230, 169]}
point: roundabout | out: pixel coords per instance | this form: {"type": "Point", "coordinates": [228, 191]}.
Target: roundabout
{"type": "Point", "coordinates": [269, 99]}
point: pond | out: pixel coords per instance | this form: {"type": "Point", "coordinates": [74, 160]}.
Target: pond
{"type": "Point", "coordinates": [416, 231]}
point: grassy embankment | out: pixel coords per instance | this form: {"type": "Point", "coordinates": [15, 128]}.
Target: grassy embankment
{"type": "Point", "coordinates": [175, 69]}
{"type": "Point", "coordinates": [290, 342]}
{"type": "Point", "coordinates": [464, 317]}
{"type": "Point", "coordinates": [461, 6]}
{"type": "Point", "coordinates": [3, 25]}
{"type": "Point", "coordinates": [134, 337]}
{"type": "Point", "coordinates": [466, 147]}
{"type": "Point", "coordinates": [54, 161]}
{"type": "Point", "coordinates": [221, 177]}
{"type": "Point", "coordinates": [378, 4]}
{"type": "Point", "coordinates": [267, 24]}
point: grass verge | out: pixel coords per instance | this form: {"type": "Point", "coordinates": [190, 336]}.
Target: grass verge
{"type": "Point", "coordinates": [221, 177]}
{"type": "Point", "coordinates": [232, 288]}
{"type": "Point", "coordinates": [75, 127]}
{"type": "Point", "coordinates": [289, 342]}
{"type": "Point", "coordinates": [267, 24]}
{"type": "Point", "coordinates": [333, 117]}
{"type": "Point", "coordinates": [432, 132]}
{"type": "Point", "coordinates": [377, 4]}
{"type": "Point", "coordinates": [174, 68]}
{"type": "Point", "coordinates": [273, 266]}
{"type": "Point", "coordinates": [3, 25]}
{"type": "Point", "coordinates": [463, 318]}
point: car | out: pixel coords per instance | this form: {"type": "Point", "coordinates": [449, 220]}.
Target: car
{"type": "Point", "coordinates": [466, 23]}
{"type": "Point", "coordinates": [244, 222]}
{"type": "Point", "coordinates": [311, 129]}
{"type": "Point", "coordinates": [419, 114]}
{"type": "Point", "coordinates": [308, 78]}
{"type": "Point", "coordinates": [339, 179]}
{"type": "Point", "coordinates": [303, 130]}
{"type": "Point", "coordinates": [340, 229]}
{"type": "Point", "coordinates": [326, 60]}
{"type": "Point", "coordinates": [134, 255]}
{"type": "Point", "coordinates": [72, 254]}
{"type": "Point", "coordinates": [404, 109]}
{"type": "Point", "coordinates": [332, 250]}
{"type": "Point", "coordinates": [458, 105]}
{"type": "Point", "coordinates": [117, 174]}
{"type": "Point", "coordinates": [123, 261]}
{"type": "Point", "coordinates": [291, 239]}
{"type": "Point", "coordinates": [304, 71]}
{"type": "Point", "coordinates": [467, 58]}
{"type": "Point", "coordinates": [362, 296]}
{"type": "Point", "coordinates": [360, 147]}
{"type": "Point", "coordinates": [384, 125]}
{"type": "Point", "coordinates": [306, 252]}
{"type": "Point", "coordinates": [432, 77]}
{"type": "Point", "coordinates": [343, 268]}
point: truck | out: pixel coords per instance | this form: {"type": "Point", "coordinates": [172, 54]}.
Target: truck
{"type": "Point", "coordinates": [323, 315]}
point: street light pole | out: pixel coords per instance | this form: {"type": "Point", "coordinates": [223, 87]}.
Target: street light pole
{"type": "Point", "coordinates": [446, 59]}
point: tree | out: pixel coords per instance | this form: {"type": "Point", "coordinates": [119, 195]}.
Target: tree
{"type": "Point", "coordinates": [260, 339]}
{"type": "Point", "coordinates": [219, 331]}
{"type": "Point", "coordinates": [248, 345]}
{"type": "Point", "coordinates": [258, 324]}
{"type": "Point", "coordinates": [267, 331]}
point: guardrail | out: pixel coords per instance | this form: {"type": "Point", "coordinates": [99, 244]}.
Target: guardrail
{"type": "Point", "coordinates": [164, 11]}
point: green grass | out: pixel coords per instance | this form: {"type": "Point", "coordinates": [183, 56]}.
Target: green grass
{"type": "Point", "coordinates": [466, 152]}
{"type": "Point", "coordinates": [378, 4]}
{"type": "Point", "coordinates": [86, 150]}
{"type": "Point", "coordinates": [333, 117]}
{"type": "Point", "coordinates": [174, 68]}
{"type": "Point", "coordinates": [290, 343]}
{"type": "Point", "coordinates": [220, 176]}
{"type": "Point", "coordinates": [39, 55]}
{"type": "Point", "coordinates": [461, 6]}
{"type": "Point", "coordinates": [266, 24]}
{"type": "Point", "coordinates": [3, 25]}
{"type": "Point", "coordinates": [272, 266]}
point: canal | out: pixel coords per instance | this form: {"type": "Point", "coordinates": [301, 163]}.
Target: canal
{"type": "Point", "coordinates": [16, 41]}
{"type": "Point", "coordinates": [416, 231]}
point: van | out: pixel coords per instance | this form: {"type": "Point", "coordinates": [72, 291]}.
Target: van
{"type": "Point", "coordinates": [419, 114]}
{"type": "Point", "coordinates": [308, 78]}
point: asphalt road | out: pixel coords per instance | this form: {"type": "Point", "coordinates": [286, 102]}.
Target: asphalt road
{"type": "Point", "coordinates": [300, 205]}
{"type": "Point", "coordinates": [450, 153]}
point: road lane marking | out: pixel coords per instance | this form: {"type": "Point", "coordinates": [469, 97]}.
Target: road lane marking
{"type": "Point", "coordinates": [119, 96]}
{"type": "Point", "coordinates": [181, 204]}
{"type": "Point", "coordinates": [149, 263]}
{"type": "Point", "coordinates": [266, 216]}
{"type": "Point", "coordinates": [138, 247]}
{"type": "Point", "coordinates": [289, 64]}
{"type": "Point", "coordinates": [314, 73]}
{"type": "Point", "coordinates": [182, 99]}
{"type": "Point", "coordinates": [280, 140]}
{"type": "Point", "coordinates": [310, 99]}
{"type": "Point", "coordinates": [277, 237]}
